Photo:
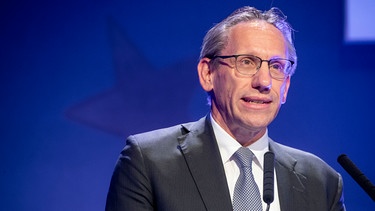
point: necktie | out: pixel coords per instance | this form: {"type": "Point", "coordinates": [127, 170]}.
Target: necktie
{"type": "Point", "coordinates": [246, 196]}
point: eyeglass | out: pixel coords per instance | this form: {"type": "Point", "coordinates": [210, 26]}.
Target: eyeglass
{"type": "Point", "coordinates": [249, 65]}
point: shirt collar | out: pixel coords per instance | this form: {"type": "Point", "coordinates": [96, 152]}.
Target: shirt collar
{"type": "Point", "coordinates": [228, 145]}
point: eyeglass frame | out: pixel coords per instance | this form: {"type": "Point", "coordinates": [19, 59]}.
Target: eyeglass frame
{"type": "Point", "coordinates": [257, 68]}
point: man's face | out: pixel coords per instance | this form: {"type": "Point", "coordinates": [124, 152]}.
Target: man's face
{"type": "Point", "coordinates": [247, 103]}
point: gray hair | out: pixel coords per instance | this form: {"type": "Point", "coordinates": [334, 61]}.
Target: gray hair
{"type": "Point", "coordinates": [216, 38]}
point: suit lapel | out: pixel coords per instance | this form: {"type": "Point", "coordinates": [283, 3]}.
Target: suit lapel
{"type": "Point", "coordinates": [202, 156]}
{"type": "Point", "coordinates": [291, 184]}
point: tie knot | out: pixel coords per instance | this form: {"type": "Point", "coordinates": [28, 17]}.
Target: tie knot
{"type": "Point", "coordinates": [243, 157]}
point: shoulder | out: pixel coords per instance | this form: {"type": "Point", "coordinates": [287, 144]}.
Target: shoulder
{"type": "Point", "coordinates": [298, 154]}
{"type": "Point", "coordinates": [302, 161]}
{"type": "Point", "coordinates": [312, 173]}
{"type": "Point", "coordinates": [165, 136]}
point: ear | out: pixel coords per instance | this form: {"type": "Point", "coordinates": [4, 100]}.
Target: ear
{"type": "Point", "coordinates": [286, 88]}
{"type": "Point", "coordinates": [205, 74]}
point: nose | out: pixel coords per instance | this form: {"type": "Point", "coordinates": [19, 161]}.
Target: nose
{"type": "Point", "coordinates": [262, 79]}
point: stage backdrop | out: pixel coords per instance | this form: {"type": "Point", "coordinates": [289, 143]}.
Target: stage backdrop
{"type": "Point", "coordinates": [78, 77]}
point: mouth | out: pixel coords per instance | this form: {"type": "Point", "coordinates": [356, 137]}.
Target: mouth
{"type": "Point", "coordinates": [256, 100]}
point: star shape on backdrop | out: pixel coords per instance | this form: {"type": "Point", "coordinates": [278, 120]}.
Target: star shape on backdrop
{"type": "Point", "coordinates": [143, 97]}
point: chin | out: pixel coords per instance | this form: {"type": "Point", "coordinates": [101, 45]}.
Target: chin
{"type": "Point", "coordinates": [258, 125]}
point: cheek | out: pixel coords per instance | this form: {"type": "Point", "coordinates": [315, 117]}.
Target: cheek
{"type": "Point", "coordinates": [228, 86]}
{"type": "Point", "coordinates": [279, 90]}
{"type": "Point", "coordinates": [222, 83]}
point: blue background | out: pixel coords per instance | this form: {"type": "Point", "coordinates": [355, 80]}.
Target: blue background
{"type": "Point", "coordinates": [77, 77]}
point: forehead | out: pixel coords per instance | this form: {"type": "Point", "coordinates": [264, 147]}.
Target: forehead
{"type": "Point", "coordinates": [256, 37]}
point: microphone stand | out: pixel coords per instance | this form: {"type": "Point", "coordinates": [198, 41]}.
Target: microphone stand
{"type": "Point", "coordinates": [268, 178]}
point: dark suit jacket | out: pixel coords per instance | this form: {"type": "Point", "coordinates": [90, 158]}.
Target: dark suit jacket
{"type": "Point", "coordinates": [180, 168]}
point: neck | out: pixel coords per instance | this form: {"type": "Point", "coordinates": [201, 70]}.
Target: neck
{"type": "Point", "coordinates": [243, 135]}
{"type": "Point", "coordinates": [247, 138]}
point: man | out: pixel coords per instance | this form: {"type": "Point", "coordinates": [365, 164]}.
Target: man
{"type": "Point", "coordinates": [245, 66]}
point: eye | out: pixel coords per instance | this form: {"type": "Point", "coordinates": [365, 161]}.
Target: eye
{"type": "Point", "coordinates": [247, 61]}
{"type": "Point", "coordinates": [277, 65]}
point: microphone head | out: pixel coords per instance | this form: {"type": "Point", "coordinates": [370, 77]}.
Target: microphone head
{"type": "Point", "coordinates": [357, 175]}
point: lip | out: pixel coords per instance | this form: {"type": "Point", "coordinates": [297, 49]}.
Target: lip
{"type": "Point", "coordinates": [256, 102]}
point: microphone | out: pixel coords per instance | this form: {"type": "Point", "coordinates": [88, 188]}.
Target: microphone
{"type": "Point", "coordinates": [357, 175]}
{"type": "Point", "coordinates": [268, 177]}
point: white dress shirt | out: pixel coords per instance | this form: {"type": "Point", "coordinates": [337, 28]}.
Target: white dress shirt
{"type": "Point", "coordinates": [228, 146]}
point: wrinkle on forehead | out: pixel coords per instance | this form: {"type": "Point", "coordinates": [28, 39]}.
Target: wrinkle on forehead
{"type": "Point", "coordinates": [256, 37]}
